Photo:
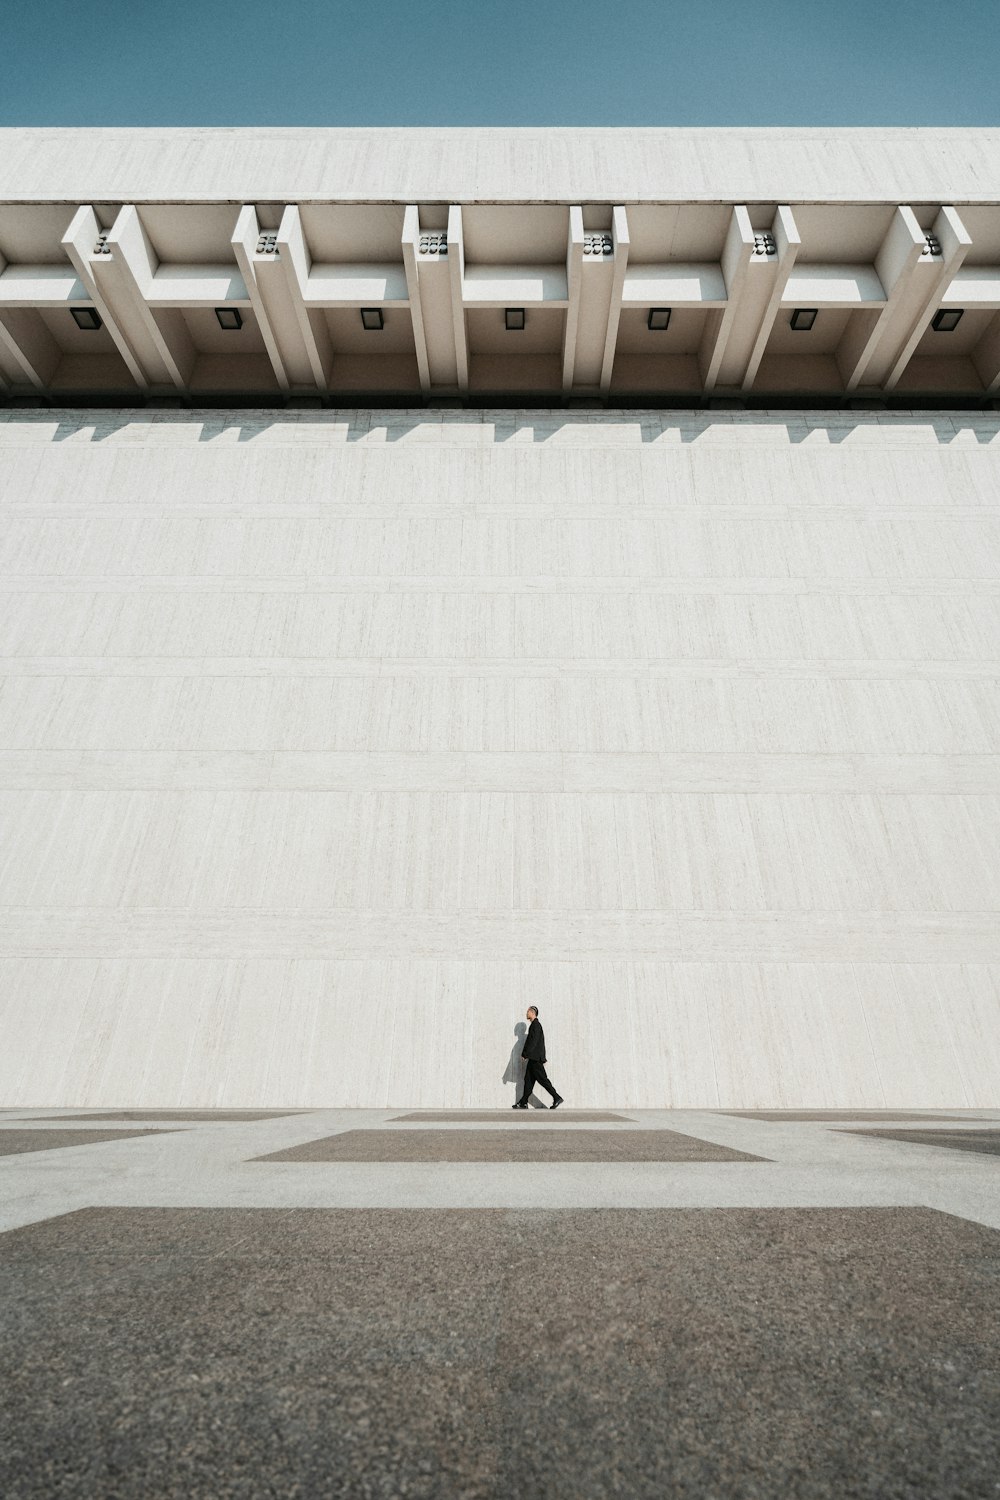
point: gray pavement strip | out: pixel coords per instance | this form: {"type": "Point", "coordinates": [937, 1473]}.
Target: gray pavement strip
{"type": "Point", "coordinates": [514, 1116]}
{"type": "Point", "coordinates": [18, 1142]}
{"type": "Point", "coordinates": [222, 1115]}
{"type": "Point", "coordinates": [792, 1115]}
{"type": "Point", "coordinates": [982, 1142]}
{"type": "Point", "coordinates": [509, 1145]}
{"type": "Point", "coordinates": [477, 1353]}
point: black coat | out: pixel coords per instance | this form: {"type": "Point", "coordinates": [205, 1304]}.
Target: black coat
{"type": "Point", "coordinates": [534, 1043]}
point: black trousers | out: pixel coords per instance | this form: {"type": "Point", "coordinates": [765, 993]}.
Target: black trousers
{"type": "Point", "coordinates": [534, 1072]}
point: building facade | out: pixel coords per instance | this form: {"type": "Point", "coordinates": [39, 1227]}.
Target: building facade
{"type": "Point", "coordinates": [449, 571]}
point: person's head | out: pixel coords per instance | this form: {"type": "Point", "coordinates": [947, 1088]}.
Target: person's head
{"type": "Point", "coordinates": [532, 1012]}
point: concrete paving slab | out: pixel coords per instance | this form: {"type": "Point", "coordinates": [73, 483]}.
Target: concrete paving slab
{"type": "Point", "coordinates": [18, 1142]}
{"type": "Point", "coordinates": [509, 1145]}
{"type": "Point", "coordinates": [512, 1116]}
{"type": "Point", "coordinates": [982, 1142]}
{"type": "Point", "coordinates": [820, 1354]}
{"type": "Point", "coordinates": [807, 1165]}
{"type": "Point", "coordinates": [802, 1115]}
{"type": "Point", "coordinates": [206, 1115]}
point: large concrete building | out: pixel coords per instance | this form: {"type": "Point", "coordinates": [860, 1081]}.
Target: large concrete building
{"type": "Point", "coordinates": [443, 571]}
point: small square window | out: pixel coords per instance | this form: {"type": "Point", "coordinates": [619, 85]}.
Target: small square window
{"type": "Point", "coordinates": [947, 319]}
{"type": "Point", "coordinates": [86, 317]}
{"type": "Point", "coordinates": [513, 318]}
{"type": "Point", "coordinates": [229, 317]}
{"type": "Point", "coordinates": [803, 318]}
{"type": "Point", "coordinates": [372, 319]}
{"type": "Point", "coordinates": [658, 320]}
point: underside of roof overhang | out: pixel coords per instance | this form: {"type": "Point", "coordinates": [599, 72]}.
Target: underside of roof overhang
{"type": "Point", "coordinates": [780, 301]}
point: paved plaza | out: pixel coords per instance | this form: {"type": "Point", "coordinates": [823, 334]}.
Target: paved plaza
{"type": "Point", "coordinates": [478, 1304]}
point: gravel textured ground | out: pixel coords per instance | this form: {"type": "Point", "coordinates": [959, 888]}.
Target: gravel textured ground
{"type": "Point", "coordinates": [184, 1114]}
{"type": "Point", "coordinates": [837, 1114]}
{"type": "Point", "coordinates": [491, 1116]}
{"type": "Point", "coordinates": [716, 1354]}
{"type": "Point", "coordinates": [509, 1144]}
{"type": "Point", "coordinates": [17, 1142]}
{"type": "Point", "coordinates": [982, 1142]}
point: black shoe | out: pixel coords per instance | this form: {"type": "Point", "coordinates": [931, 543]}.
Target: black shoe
{"type": "Point", "coordinates": [556, 1102]}
{"type": "Point", "coordinates": [519, 1106]}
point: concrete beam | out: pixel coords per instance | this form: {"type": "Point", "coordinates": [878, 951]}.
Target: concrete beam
{"type": "Point", "coordinates": [737, 254]}
{"type": "Point", "coordinates": [295, 260]}
{"type": "Point", "coordinates": [955, 242]}
{"type": "Point", "coordinates": [5, 384]}
{"type": "Point", "coordinates": [621, 242]}
{"type": "Point", "coordinates": [897, 258]}
{"type": "Point", "coordinates": [135, 261]}
{"type": "Point", "coordinates": [788, 242]}
{"type": "Point", "coordinates": [41, 286]}
{"type": "Point", "coordinates": [574, 280]}
{"type": "Point", "coordinates": [456, 274]}
{"type": "Point", "coordinates": [429, 278]}
{"type": "Point", "coordinates": [275, 296]}
{"type": "Point", "coordinates": [82, 236]}
{"type": "Point", "coordinates": [595, 283]}
{"type": "Point", "coordinates": [410, 242]}
{"type": "Point", "coordinates": [244, 242]}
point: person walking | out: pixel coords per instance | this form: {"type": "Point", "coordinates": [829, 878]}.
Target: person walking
{"type": "Point", "coordinates": [533, 1053]}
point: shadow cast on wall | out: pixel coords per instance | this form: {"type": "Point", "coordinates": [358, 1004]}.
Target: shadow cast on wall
{"type": "Point", "coordinates": [495, 426]}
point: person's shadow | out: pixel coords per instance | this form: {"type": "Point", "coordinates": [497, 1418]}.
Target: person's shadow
{"type": "Point", "coordinates": [514, 1072]}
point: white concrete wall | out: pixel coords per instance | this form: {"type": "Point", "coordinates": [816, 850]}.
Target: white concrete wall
{"type": "Point", "coordinates": [328, 743]}
{"type": "Point", "coordinates": [779, 164]}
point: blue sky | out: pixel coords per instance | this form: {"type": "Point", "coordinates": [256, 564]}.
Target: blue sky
{"type": "Point", "coordinates": [525, 62]}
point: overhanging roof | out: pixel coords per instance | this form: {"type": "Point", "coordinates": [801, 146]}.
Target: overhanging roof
{"type": "Point", "coordinates": [488, 165]}
{"type": "Point", "coordinates": [652, 266]}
